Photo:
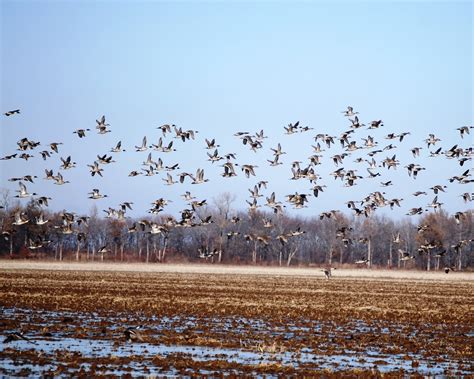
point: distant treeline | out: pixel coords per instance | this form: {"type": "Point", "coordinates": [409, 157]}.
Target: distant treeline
{"type": "Point", "coordinates": [219, 234]}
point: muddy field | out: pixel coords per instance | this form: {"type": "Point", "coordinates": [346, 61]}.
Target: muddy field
{"type": "Point", "coordinates": [204, 321]}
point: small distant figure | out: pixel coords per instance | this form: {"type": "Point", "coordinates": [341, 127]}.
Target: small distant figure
{"type": "Point", "coordinates": [81, 133]}
{"type": "Point", "coordinates": [349, 112]}
{"type": "Point", "coordinates": [16, 336]}
{"type": "Point", "coordinates": [11, 113]}
{"type": "Point", "coordinates": [448, 269]}
{"type": "Point", "coordinates": [103, 249]}
{"type": "Point", "coordinates": [328, 272]}
{"type": "Point", "coordinates": [132, 334]}
{"type": "Point", "coordinates": [205, 253]}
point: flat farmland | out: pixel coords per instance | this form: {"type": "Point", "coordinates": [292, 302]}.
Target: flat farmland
{"type": "Point", "coordinates": [209, 320]}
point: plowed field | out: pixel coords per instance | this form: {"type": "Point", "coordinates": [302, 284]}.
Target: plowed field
{"type": "Point", "coordinates": [233, 323]}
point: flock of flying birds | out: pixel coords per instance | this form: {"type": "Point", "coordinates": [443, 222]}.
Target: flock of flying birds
{"type": "Point", "coordinates": [305, 171]}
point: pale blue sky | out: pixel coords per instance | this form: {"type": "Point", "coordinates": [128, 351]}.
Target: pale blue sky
{"type": "Point", "coordinates": [220, 67]}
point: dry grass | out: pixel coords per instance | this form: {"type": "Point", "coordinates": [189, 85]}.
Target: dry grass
{"type": "Point", "coordinates": [235, 270]}
{"type": "Point", "coordinates": [240, 307]}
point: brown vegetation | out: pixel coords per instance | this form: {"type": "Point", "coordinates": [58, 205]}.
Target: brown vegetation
{"type": "Point", "coordinates": [257, 313]}
{"type": "Point", "coordinates": [331, 240]}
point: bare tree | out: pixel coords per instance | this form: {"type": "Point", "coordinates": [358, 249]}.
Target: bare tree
{"type": "Point", "coordinates": [222, 204]}
{"type": "Point", "coordinates": [430, 236]}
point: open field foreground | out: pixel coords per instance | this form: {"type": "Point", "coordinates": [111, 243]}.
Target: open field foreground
{"type": "Point", "coordinates": [210, 320]}
{"type": "Point", "coordinates": [359, 273]}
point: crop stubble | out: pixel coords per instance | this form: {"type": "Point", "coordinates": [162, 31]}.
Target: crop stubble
{"type": "Point", "coordinates": [265, 313]}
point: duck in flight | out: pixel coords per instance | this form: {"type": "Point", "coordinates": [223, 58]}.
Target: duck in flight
{"type": "Point", "coordinates": [349, 112]}
{"type": "Point", "coordinates": [23, 192]}
{"type": "Point", "coordinates": [81, 133]}
{"type": "Point", "coordinates": [95, 194]}
{"type": "Point", "coordinates": [143, 146]}
{"type": "Point", "coordinates": [11, 113]}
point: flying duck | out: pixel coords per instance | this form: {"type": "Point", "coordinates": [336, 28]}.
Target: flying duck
{"type": "Point", "coordinates": [349, 112]}
{"type": "Point", "coordinates": [11, 113]}
{"type": "Point", "coordinates": [95, 194]}
{"type": "Point", "coordinates": [81, 133]}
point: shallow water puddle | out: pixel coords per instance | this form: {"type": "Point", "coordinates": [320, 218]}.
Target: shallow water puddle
{"type": "Point", "coordinates": [54, 349]}
{"type": "Point", "coordinates": [80, 342]}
